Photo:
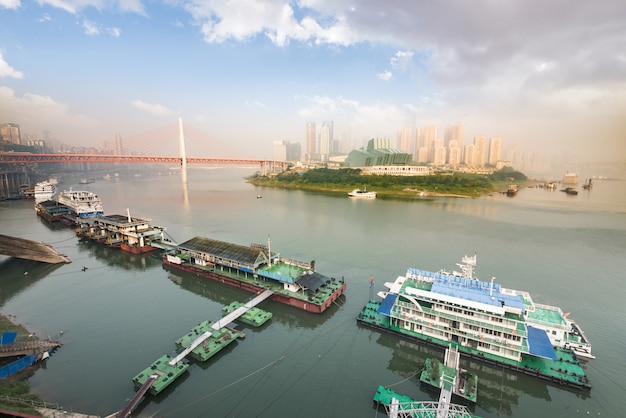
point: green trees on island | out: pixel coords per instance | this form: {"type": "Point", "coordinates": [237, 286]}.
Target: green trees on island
{"type": "Point", "coordinates": [346, 179]}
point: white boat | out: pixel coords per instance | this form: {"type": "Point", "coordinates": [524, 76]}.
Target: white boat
{"type": "Point", "coordinates": [362, 193]}
{"type": "Point", "coordinates": [84, 203]}
{"type": "Point", "coordinates": [44, 190]}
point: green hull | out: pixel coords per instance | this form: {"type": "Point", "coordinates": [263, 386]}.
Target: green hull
{"type": "Point", "coordinates": [254, 316]}
{"type": "Point", "coordinates": [166, 374]}
{"type": "Point", "coordinates": [212, 345]}
{"type": "Point", "coordinates": [564, 371]}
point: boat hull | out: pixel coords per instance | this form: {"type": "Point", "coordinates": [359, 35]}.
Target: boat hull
{"type": "Point", "coordinates": [249, 287]}
{"type": "Point", "coordinates": [136, 249]}
{"type": "Point", "coordinates": [583, 384]}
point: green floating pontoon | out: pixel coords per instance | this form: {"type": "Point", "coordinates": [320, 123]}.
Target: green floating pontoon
{"type": "Point", "coordinates": [164, 372]}
{"type": "Point", "coordinates": [254, 316]}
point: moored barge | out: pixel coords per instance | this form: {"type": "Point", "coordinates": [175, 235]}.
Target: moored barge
{"type": "Point", "coordinates": [131, 234]}
{"type": "Point", "coordinates": [257, 268]}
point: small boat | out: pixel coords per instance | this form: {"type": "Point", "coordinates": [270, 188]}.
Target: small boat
{"type": "Point", "coordinates": [362, 193]}
{"type": "Point", "coordinates": [587, 185]}
{"type": "Point", "coordinates": [86, 181]}
{"type": "Point", "coordinates": [570, 190]}
{"type": "Point", "coordinates": [512, 190]}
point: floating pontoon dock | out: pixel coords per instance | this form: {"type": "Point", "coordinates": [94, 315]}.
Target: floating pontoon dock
{"type": "Point", "coordinates": [165, 370]}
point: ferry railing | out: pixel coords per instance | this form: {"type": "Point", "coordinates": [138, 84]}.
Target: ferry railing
{"type": "Point", "coordinates": [468, 320]}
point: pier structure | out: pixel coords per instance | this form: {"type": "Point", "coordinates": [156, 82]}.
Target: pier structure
{"type": "Point", "coordinates": [132, 234]}
{"type": "Point", "coordinates": [221, 324]}
{"type": "Point", "coordinates": [165, 370]}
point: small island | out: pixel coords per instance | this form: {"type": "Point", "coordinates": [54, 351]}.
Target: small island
{"type": "Point", "coordinates": [343, 180]}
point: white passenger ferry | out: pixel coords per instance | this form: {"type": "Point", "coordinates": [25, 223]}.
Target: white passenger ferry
{"type": "Point", "coordinates": [84, 204]}
{"type": "Point", "coordinates": [44, 190]}
{"type": "Point", "coordinates": [480, 315]}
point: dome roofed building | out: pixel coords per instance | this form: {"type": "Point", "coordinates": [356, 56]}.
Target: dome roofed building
{"type": "Point", "coordinates": [378, 152]}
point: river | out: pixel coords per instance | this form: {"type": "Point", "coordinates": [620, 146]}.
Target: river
{"type": "Point", "coordinates": [124, 311]}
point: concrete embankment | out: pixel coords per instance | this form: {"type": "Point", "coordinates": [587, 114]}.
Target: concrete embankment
{"type": "Point", "coordinates": [31, 250]}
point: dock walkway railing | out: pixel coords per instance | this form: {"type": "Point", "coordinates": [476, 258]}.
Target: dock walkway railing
{"type": "Point", "coordinates": [221, 324]}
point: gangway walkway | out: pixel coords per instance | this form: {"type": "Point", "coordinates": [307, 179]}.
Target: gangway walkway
{"type": "Point", "coordinates": [451, 359]}
{"type": "Point", "coordinates": [221, 324]}
{"type": "Point", "coordinates": [136, 398]}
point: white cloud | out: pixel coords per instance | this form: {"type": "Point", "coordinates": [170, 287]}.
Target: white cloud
{"type": "Point", "coordinates": [402, 60]}
{"type": "Point", "coordinates": [90, 28]}
{"type": "Point", "coordinates": [10, 4]}
{"type": "Point", "coordinates": [41, 113]}
{"type": "Point", "coordinates": [154, 109]}
{"type": "Point", "coordinates": [7, 71]}
{"type": "Point", "coordinates": [385, 75]}
{"type": "Point", "coordinates": [75, 6]}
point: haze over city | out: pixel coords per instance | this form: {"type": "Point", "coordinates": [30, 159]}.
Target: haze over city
{"type": "Point", "coordinates": [546, 77]}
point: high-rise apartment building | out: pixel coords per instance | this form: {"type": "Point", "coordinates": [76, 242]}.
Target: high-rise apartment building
{"type": "Point", "coordinates": [311, 133]}
{"type": "Point", "coordinates": [469, 155]}
{"type": "Point", "coordinates": [10, 132]}
{"type": "Point", "coordinates": [454, 132]}
{"type": "Point", "coordinates": [404, 140]}
{"type": "Point", "coordinates": [426, 136]}
{"type": "Point", "coordinates": [326, 140]}
{"type": "Point", "coordinates": [495, 150]}
{"type": "Point", "coordinates": [454, 153]}
{"type": "Point", "coordinates": [480, 151]}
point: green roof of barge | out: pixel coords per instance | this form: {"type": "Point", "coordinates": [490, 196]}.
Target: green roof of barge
{"type": "Point", "coordinates": [252, 255]}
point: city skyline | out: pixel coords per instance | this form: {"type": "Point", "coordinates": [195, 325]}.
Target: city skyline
{"type": "Point", "coordinates": [252, 72]}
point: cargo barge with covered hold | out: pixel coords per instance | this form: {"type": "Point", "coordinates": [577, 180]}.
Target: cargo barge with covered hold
{"type": "Point", "coordinates": [255, 269]}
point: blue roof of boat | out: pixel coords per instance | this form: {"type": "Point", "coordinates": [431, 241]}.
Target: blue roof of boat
{"type": "Point", "coordinates": [387, 303]}
{"type": "Point", "coordinates": [539, 343]}
{"type": "Point", "coordinates": [471, 289]}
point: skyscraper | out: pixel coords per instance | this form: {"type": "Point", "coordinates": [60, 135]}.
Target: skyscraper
{"type": "Point", "coordinates": [480, 149]}
{"type": "Point", "coordinates": [10, 132]}
{"type": "Point", "coordinates": [495, 150]}
{"type": "Point", "coordinates": [404, 140]}
{"type": "Point", "coordinates": [426, 137]}
{"type": "Point", "coordinates": [326, 139]}
{"type": "Point", "coordinates": [310, 140]}
{"type": "Point", "coordinates": [454, 132]}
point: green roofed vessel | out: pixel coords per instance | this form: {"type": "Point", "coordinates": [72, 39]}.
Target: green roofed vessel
{"type": "Point", "coordinates": [484, 320]}
{"type": "Point", "coordinates": [255, 269]}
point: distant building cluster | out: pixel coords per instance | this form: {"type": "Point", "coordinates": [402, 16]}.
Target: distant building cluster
{"type": "Point", "coordinates": [413, 147]}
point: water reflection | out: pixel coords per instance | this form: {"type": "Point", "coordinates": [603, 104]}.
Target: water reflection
{"type": "Point", "coordinates": [499, 389]}
{"type": "Point", "coordinates": [18, 274]}
{"type": "Point", "coordinates": [115, 257]}
{"type": "Point", "coordinates": [224, 295]}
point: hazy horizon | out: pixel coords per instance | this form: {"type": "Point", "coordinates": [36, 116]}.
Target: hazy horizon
{"type": "Point", "coordinates": [546, 78]}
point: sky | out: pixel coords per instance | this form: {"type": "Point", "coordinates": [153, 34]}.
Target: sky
{"type": "Point", "coordinates": [545, 76]}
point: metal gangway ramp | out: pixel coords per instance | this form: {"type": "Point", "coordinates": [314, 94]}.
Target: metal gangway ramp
{"type": "Point", "coordinates": [137, 397]}
{"type": "Point", "coordinates": [221, 324]}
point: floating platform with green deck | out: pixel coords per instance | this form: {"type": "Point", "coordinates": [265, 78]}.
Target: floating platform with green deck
{"type": "Point", "coordinates": [212, 345]}
{"type": "Point", "coordinates": [254, 316]}
{"type": "Point", "coordinates": [165, 374]}
{"type": "Point", "coordinates": [462, 385]}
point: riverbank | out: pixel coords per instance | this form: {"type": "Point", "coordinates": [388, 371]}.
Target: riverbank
{"type": "Point", "coordinates": [14, 390]}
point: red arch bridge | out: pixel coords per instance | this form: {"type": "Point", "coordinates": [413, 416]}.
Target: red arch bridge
{"type": "Point", "coordinates": [27, 158]}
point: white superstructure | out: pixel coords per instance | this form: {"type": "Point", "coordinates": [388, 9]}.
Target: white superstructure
{"type": "Point", "coordinates": [44, 191]}
{"type": "Point", "coordinates": [84, 203]}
